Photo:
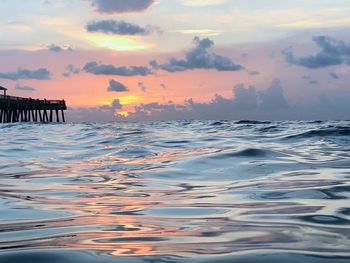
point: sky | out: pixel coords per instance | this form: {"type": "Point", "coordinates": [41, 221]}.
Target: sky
{"type": "Point", "coordinates": [141, 60]}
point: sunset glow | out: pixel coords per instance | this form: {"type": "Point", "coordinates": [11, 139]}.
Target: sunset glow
{"type": "Point", "coordinates": [117, 43]}
{"type": "Point", "coordinates": [179, 59]}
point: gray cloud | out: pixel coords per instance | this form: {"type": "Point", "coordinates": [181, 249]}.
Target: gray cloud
{"type": "Point", "coordinates": [199, 57]}
{"type": "Point", "coordinates": [38, 74]}
{"type": "Point", "coordinates": [120, 28]}
{"type": "Point", "coordinates": [71, 70]}
{"type": "Point", "coordinates": [116, 86]}
{"type": "Point", "coordinates": [57, 48]}
{"type": "Point", "coordinates": [245, 98]}
{"type": "Point", "coordinates": [103, 69]}
{"type": "Point", "coordinates": [119, 6]}
{"type": "Point", "coordinates": [334, 75]}
{"type": "Point", "coordinates": [253, 73]}
{"type": "Point", "coordinates": [246, 103]}
{"type": "Point", "coordinates": [142, 86]}
{"type": "Point", "coordinates": [24, 88]}
{"type": "Point", "coordinates": [273, 97]}
{"type": "Point", "coordinates": [116, 104]}
{"type": "Point", "coordinates": [310, 80]}
{"type": "Point", "coordinates": [325, 102]}
{"type": "Point", "coordinates": [333, 52]}
{"type": "Point", "coordinates": [105, 113]}
{"type": "Point", "coordinates": [313, 82]}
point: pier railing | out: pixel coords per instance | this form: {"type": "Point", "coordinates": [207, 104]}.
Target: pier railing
{"type": "Point", "coordinates": [30, 100]}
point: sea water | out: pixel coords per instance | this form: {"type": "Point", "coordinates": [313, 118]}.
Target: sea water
{"type": "Point", "coordinates": [183, 191]}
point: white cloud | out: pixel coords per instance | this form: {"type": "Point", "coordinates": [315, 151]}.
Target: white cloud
{"type": "Point", "coordinates": [202, 2]}
{"type": "Point", "coordinates": [199, 32]}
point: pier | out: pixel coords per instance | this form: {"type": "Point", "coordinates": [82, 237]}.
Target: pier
{"type": "Point", "coordinates": [18, 109]}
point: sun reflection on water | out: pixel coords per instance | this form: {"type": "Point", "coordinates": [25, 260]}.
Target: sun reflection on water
{"type": "Point", "coordinates": [153, 189]}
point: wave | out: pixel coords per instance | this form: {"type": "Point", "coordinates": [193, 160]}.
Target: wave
{"type": "Point", "coordinates": [248, 153]}
{"type": "Point", "coordinates": [253, 122]}
{"type": "Point", "coordinates": [322, 132]}
{"type": "Point", "coordinates": [182, 191]}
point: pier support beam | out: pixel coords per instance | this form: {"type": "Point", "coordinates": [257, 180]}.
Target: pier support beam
{"type": "Point", "coordinates": [63, 119]}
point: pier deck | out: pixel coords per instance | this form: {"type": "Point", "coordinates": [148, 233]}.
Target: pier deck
{"type": "Point", "coordinates": [17, 109]}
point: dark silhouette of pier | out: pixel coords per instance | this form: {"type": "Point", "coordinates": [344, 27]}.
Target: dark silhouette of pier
{"type": "Point", "coordinates": [17, 109]}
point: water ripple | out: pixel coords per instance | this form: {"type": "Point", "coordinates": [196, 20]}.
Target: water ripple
{"type": "Point", "coordinates": [185, 191]}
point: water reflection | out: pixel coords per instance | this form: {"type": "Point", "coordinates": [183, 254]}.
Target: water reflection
{"type": "Point", "coordinates": [174, 190]}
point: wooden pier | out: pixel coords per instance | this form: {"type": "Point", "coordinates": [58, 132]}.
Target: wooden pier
{"type": "Point", "coordinates": [17, 109]}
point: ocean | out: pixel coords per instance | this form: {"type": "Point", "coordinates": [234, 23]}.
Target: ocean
{"type": "Point", "coordinates": [177, 191]}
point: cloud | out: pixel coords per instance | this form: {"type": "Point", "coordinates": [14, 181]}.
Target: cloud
{"type": "Point", "coordinates": [142, 86]}
{"type": "Point", "coordinates": [120, 28]}
{"type": "Point", "coordinates": [333, 52]}
{"type": "Point", "coordinates": [18, 26]}
{"type": "Point", "coordinates": [103, 69]}
{"type": "Point", "coordinates": [253, 73]}
{"type": "Point", "coordinates": [201, 32]}
{"type": "Point", "coordinates": [246, 103]}
{"type": "Point", "coordinates": [24, 88]}
{"type": "Point", "coordinates": [163, 86]}
{"type": "Point", "coordinates": [245, 98]}
{"type": "Point", "coordinates": [202, 2]}
{"type": "Point", "coordinates": [38, 74]}
{"type": "Point", "coordinates": [116, 86]}
{"type": "Point", "coordinates": [116, 104]}
{"type": "Point", "coordinates": [71, 70]}
{"type": "Point", "coordinates": [57, 48]}
{"type": "Point", "coordinates": [199, 57]}
{"type": "Point", "coordinates": [104, 113]}
{"type": "Point", "coordinates": [325, 102]}
{"type": "Point", "coordinates": [313, 82]}
{"type": "Point", "coordinates": [273, 97]}
{"type": "Point", "coordinates": [310, 80]}
{"type": "Point", "coordinates": [334, 75]}
{"type": "Point", "coordinates": [120, 6]}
